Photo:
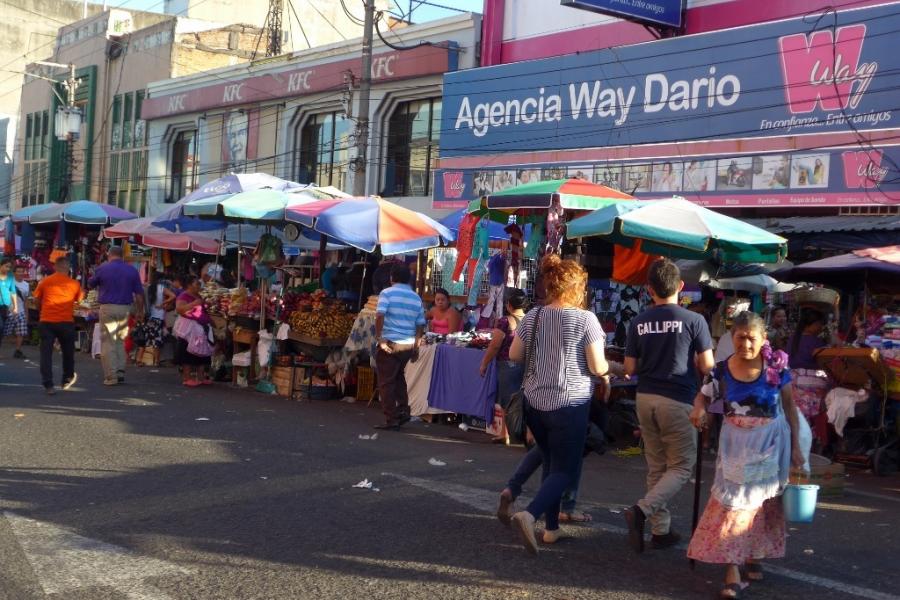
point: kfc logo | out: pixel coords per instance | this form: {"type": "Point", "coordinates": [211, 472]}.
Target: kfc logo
{"type": "Point", "coordinates": [454, 184]}
{"type": "Point", "coordinates": [862, 169]}
{"type": "Point", "coordinates": [823, 69]}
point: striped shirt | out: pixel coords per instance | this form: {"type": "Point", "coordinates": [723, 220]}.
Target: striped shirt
{"type": "Point", "coordinates": [403, 313]}
{"type": "Point", "coordinates": [561, 376]}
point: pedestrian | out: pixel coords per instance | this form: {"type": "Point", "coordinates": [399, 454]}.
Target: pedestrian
{"type": "Point", "coordinates": [56, 296]}
{"type": "Point", "coordinates": [509, 373]}
{"type": "Point", "coordinates": [17, 321]}
{"type": "Point", "coordinates": [191, 329]}
{"type": "Point", "coordinates": [8, 301]}
{"type": "Point", "coordinates": [399, 327]}
{"type": "Point", "coordinates": [669, 348]}
{"type": "Point", "coordinates": [153, 329]}
{"type": "Point", "coordinates": [743, 521]}
{"type": "Point", "coordinates": [120, 291]}
{"type": "Point", "coordinates": [567, 343]}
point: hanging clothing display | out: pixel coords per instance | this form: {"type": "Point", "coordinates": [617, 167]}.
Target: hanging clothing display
{"type": "Point", "coordinates": [465, 241]}
{"type": "Point", "coordinates": [497, 271]}
{"type": "Point", "coordinates": [535, 240]}
{"type": "Point", "coordinates": [475, 281]}
{"type": "Point", "coordinates": [630, 265]}
{"type": "Point", "coordinates": [555, 228]}
{"type": "Point", "coordinates": [515, 250]}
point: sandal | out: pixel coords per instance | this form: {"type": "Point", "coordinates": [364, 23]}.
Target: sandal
{"type": "Point", "coordinates": [504, 510]}
{"type": "Point", "coordinates": [730, 591]}
{"type": "Point", "coordinates": [190, 383]}
{"type": "Point", "coordinates": [575, 517]}
{"type": "Point", "coordinates": [753, 571]}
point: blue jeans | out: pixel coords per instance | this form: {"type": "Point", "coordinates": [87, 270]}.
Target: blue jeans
{"type": "Point", "coordinates": [528, 465]}
{"type": "Point", "coordinates": [509, 381]}
{"type": "Point", "coordinates": [560, 435]}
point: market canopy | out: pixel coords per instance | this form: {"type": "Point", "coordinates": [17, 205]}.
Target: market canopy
{"type": "Point", "coordinates": [751, 283]}
{"type": "Point", "coordinates": [262, 205]}
{"type": "Point", "coordinates": [147, 234]}
{"type": "Point", "coordinates": [84, 212]}
{"type": "Point", "coordinates": [22, 215]}
{"type": "Point", "coordinates": [680, 229]}
{"type": "Point", "coordinates": [367, 223]}
{"type": "Point", "coordinates": [855, 270]}
{"type": "Point", "coordinates": [570, 194]}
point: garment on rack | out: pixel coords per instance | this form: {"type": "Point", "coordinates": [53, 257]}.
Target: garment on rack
{"type": "Point", "coordinates": [555, 228]}
{"type": "Point", "coordinates": [465, 241]}
{"type": "Point", "coordinates": [841, 404]}
{"type": "Point", "coordinates": [497, 270]}
{"type": "Point", "coordinates": [475, 282]}
{"type": "Point", "coordinates": [535, 240]}
{"type": "Point", "coordinates": [493, 309]}
{"type": "Point", "coordinates": [630, 265]}
{"type": "Point", "coordinates": [515, 250]}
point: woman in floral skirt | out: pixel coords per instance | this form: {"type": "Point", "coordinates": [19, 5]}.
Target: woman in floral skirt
{"type": "Point", "coordinates": [743, 522]}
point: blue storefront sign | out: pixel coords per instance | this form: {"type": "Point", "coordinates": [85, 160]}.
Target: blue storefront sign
{"type": "Point", "coordinates": [836, 73]}
{"type": "Point", "coordinates": [657, 12]}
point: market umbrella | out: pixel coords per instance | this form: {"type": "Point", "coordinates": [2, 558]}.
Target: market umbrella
{"type": "Point", "coordinates": [751, 283]}
{"type": "Point", "coordinates": [174, 218]}
{"type": "Point", "coordinates": [84, 212]}
{"type": "Point", "coordinates": [263, 205]}
{"type": "Point", "coordinates": [680, 229]}
{"type": "Point", "coordinates": [367, 223]}
{"type": "Point", "coordinates": [855, 270]}
{"type": "Point", "coordinates": [22, 215]}
{"type": "Point", "coordinates": [147, 234]}
{"type": "Point", "coordinates": [571, 194]}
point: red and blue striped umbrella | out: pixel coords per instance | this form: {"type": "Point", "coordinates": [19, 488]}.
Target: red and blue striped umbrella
{"type": "Point", "coordinates": [367, 223]}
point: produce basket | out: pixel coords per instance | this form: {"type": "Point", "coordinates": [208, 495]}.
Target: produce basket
{"type": "Point", "coordinates": [815, 296]}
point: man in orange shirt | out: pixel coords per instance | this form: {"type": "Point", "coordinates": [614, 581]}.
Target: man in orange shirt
{"type": "Point", "coordinates": [56, 296]}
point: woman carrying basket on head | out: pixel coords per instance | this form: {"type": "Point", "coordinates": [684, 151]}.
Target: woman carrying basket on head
{"type": "Point", "coordinates": [743, 522]}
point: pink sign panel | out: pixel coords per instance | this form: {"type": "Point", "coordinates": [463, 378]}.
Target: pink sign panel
{"type": "Point", "coordinates": [301, 81]}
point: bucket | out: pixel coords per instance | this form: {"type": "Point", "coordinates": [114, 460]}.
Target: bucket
{"type": "Point", "coordinates": [800, 502]}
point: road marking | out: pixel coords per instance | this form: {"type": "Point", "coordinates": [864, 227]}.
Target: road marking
{"type": "Point", "coordinates": [64, 561]}
{"type": "Point", "coordinates": [486, 501]}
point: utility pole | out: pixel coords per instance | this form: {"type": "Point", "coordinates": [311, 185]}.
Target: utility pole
{"type": "Point", "coordinates": [67, 126]}
{"type": "Point", "coordinates": [273, 20]}
{"type": "Point", "coordinates": [365, 92]}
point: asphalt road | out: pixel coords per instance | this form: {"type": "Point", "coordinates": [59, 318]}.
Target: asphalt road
{"type": "Point", "coordinates": [148, 491]}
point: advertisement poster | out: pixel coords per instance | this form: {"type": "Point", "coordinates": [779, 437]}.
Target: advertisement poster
{"type": "Point", "coordinates": [667, 176]}
{"type": "Point", "coordinates": [240, 140]}
{"type": "Point", "coordinates": [609, 175]}
{"type": "Point", "coordinates": [700, 176]}
{"type": "Point", "coordinates": [810, 171]}
{"type": "Point", "coordinates": [773, 172]}
{"type": "Point", "coordinates": [582, 172]}
{"type": "Point", "coordinates": [734, 174]}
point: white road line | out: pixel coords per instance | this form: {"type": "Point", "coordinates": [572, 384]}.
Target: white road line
{"type": "Point", "coordinates": [64, 561]}
{"type": "Point", "coordinates": [486, 501]}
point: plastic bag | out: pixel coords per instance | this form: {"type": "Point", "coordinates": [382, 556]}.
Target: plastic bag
{"type": "Point", "coordinates": [804, 438]}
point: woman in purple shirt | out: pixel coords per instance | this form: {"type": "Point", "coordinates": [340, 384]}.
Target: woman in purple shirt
{"type": "Point", "coordinates": [809, 384]}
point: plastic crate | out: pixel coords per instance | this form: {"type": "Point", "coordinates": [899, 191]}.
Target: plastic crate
{"type": "Point", "coordinates": [365, 384]}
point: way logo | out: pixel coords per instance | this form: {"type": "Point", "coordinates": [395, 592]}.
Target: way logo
{"type": "Point", "coordinates": [824, 68]}
{"type": "Point", "coordinates": [862, 169]}
{"type": "Point", "coordinates": [454, 184]}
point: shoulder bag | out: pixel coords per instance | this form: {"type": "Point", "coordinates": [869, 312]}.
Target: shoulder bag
{"type": "Point", "coordinates": [515, 413]}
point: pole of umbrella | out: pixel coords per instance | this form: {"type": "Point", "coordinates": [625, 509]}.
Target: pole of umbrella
{"type": "Point", "coordinates": [323, 245]}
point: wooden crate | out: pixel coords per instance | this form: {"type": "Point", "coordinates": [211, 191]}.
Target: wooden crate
{"type": "Point", "coordinates": [244, 336]}
{"type": "Point", "coordinates": [281, 379]}
{"type": "Point", "coordinates": [365, 384]}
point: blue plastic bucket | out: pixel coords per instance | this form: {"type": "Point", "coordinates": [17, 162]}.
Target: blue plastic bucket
{"type": "Point", "coordinates": [800, 502]}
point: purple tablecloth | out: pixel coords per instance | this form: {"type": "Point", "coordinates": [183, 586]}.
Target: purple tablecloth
{"type": "Point", "coordinates": [456, 385]}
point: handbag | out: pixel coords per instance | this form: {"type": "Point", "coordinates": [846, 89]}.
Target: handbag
{"type": "Point", "coordinates": [515, 412]}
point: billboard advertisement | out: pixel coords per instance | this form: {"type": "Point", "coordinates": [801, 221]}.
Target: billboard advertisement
{"type": "Point", "coordinates": [835, 72]}
{"type": "Point", "coordinates": [240, 139]}
{"type": "Point", "coordinates": [851, 176]}
{"type": "Point", "coordinates": [655, 12]}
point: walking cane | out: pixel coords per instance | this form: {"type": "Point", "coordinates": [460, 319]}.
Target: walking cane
{"type": "Point", "coordinates": [698, 469]}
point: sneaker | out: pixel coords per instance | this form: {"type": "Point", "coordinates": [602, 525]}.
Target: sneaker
{"type": "Point", "coordinates": [523, 522]}
{"type": "Point", "coordinates": [635, 519]}
{"type": "Point", "coordinates": [50, 390]}
{"type": "Point", "coordinates": [110, 382]}
{"type": "Point", "coordinates": [18, 354]}
{"type": "Point", "coordinates": [661, 542]}
{"type": "Point", "coordinates": [70, 382]}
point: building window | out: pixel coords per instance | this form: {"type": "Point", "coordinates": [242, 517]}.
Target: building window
{"type": "Point", "coordinates": [323, 154]}
{"type": "Point", "coordinates": [128, 154]}
{"type": "Point", "coordinates": [181, 166]}
{"type": "Point", "coordinates": [35, 158]}
{"type": "Point", "coordinates": [412, 145]}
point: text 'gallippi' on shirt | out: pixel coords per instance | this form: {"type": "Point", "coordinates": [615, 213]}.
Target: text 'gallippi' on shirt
{"type": "Point", "coordinates": [660, 327]}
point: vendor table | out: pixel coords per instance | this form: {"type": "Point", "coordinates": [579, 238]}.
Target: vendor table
{"type": "Point", "coordinates": [456, 384]}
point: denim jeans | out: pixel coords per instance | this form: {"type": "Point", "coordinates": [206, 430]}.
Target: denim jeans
{"type": "Point", "coordinates": [560, 435]}
{"type": "Point", "coordinates": [65, 333]}
{"type": "Point", "coordinates": [530, 463]}
{"type": "Point", "coordinates": [509, 381]}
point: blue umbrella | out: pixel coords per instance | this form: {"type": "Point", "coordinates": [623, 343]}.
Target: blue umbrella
{"type": "Point", "coordinates": [22, 215]}
{"type": "Point", "coordinates": [84, 212]}
{"type": "Point", "coordinates": [174, 218]}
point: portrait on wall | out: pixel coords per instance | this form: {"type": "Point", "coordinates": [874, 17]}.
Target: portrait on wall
{"type": "Point", "coordinates": [810, 170]}
{"type": "Point", "coordinates": [551, 173]}
{"type": "Point", "coordinates": [734, 173]}
{"type": "Point", "coordinates": [240, 139]}
{"type": "Point", "coordinates": [581, 172]}
{"type": "Point", "coordinates": [482, 183]}
{"type": "Point", "coordinates": [503, 180]}
{"type": "Point", "coordinates": [524, 176]}
{"type": "Point", "coordinates": [699, 176]}
{"type": "Point", "coordinates": [667, 176]}
{"type": "Point", "coordinates": [774, 172]}
{"type": "Point", "coordinates": [637, 179]}
{"type": "Point", "coordinates": [609, 175]}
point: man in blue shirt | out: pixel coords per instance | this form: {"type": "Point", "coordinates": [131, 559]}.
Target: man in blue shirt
{"type": "Point", "coordinates": [120, 287]}
{"type": "Point", "coordinates": [399, 326]}
{"type": "Point", "coordinates": [670, 349]}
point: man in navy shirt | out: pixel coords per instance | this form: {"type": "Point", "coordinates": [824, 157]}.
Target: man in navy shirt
{"type": "Point", "coordinates": [670, 349]}
{"type": "Point", "coordinates": [120, 287]}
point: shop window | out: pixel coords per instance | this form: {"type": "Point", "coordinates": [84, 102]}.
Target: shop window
{"type": "Point", "coordinates": [323, 153]}
{"type": "Point", "coordinates": [29, 127]}
{"type": "Point", "coordinates": [181, 166]}
{"type": "Point", "coordinates": [116, 130]}
{"type": "Point", "coordinates": [127, 122]}
{"type": "Point", "coordinates": [412, 145]}
{"type": "Point", "coordinates": [45, 135]}
{"type": "Point", "coordinates": [35, 156]}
